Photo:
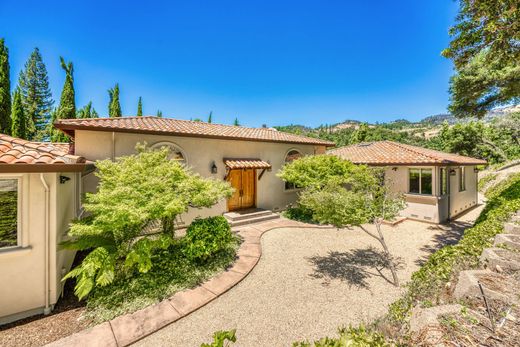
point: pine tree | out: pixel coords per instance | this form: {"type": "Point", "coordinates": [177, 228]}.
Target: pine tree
{"type": "Point", "coordinates": [36, 95]}
{"type": "Point", "coordinates": [67, 107]}
{"type": "Point", "coordinates": [140, 107]}
{"type": "Point", "coordinates": [87, 111]}
{"type": "Point", "coordinates": [210, 117]}
{"type": "Point", "coordinates": [236, 122]}
{"type": "Point", "coordinates": [114, 107]}
{"type": "Point", "coordinates": [5, 90]}
{"type": "Point", "coordinates": [19, 122]}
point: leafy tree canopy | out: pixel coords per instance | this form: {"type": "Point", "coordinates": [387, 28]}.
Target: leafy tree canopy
{"type": "Point", "coordinates": [87, 111]}
{"type": "Point", "coordinates": [114, 107]}
{"type": "Point", "coordinates": [19, 121]}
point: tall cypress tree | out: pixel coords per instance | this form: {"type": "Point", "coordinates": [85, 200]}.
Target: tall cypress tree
{"type": "Point", "coordinates": [19, 123]}
{"type": "Point", "coordinates": [114, 107]}
{"type": "Point", "coordinates": [140, 107]}
{"type": "Point", "coordinates": [236, 122]}
{"type": "Point", "coordinates": [67, 107]}
{"type": "Point", "coordinates": [87, 111]}
{"type": "Point", "coordinates": [210, 117]}
{"type": "Point", "coordinates": [36, 95]}
{"type": "Point", "coordinates": [5, 90]}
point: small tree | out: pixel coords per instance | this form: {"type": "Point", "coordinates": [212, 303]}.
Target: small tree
{"type": "Point", "coordinates": [337, 192]}
{"type": "Point", "coordinates": [210, 117]}
{"type": "Point", "coordinates": [236, 122]}
{"type": "Point", "coordinates": [135, 192]}
{"type": "Point", "coordinates": [87, 111]}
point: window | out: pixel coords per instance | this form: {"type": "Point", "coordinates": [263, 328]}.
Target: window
{"type": "Point", "coordinates": [291, 155]}
{"type": "Point", "coordinates": [443, 181]}
{"type": "Point", "coordinates": [420, 181]}
{"type": "Point", "coordinates": [8, 213]}
{"type": "Point", "coordinates": [462, 179]}
{"type": "Point", "coordinates": [175, 152]}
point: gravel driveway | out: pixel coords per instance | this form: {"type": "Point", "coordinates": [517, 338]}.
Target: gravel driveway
{"type": "Point", "coordinates": [308, 283]}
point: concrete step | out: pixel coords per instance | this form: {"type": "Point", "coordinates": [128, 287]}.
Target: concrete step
{"type": "Point", "coordinates": [253, 220]}
{"type": "Point", "coordinates": [512, 228]}
{"type": "Point", "coordinates": [246, 214]}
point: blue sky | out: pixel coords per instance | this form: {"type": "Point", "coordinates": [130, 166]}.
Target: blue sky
{"type": "Point", "coordinates": [272, 62]}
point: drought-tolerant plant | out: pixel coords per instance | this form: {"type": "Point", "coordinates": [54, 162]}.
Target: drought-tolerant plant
{"type": "Point", "coordinates": [133, 192]}
{"type": "Point", "coordinates": [220, 338]}
{"type": "Point", "coordinates": [337, 192]}
{"type": "Point", "coordinates": [205, 237]}
{"type": "Point", "coordinates": [484, 181]}
{"type": "Point", "coordinates": [350, 337]}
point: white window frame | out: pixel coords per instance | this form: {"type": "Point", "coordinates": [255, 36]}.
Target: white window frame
{"type": "Point", "coordinates": [19, 206]}
{"type": "Point", "coordinates": [420, 180]}
{"type": "Point", "coordinates": [295, 189]}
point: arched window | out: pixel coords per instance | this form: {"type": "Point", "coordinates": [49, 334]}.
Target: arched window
{"type": "Point", "coordinates": [293, 154]}
{"type": "Point", "coordinates": [175, 152]}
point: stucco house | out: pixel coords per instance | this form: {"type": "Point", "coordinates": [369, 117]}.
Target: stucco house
{"type": "Point", "coordinates": [437, 186]}
{"type": "Point", "coordinates": [39, 196]}
{"type": "Point", "coordinates": [248, 158]}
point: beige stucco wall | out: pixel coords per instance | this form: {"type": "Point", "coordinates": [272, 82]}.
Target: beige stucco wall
{"type": "Point", "coordinates": [435, 208]}
{"type": "Point", "coordinates": [200, 153]}
{"type": "Point", "coordinates": [22, 268]}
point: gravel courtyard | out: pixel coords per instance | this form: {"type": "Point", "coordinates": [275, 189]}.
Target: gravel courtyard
{"type": "Point", "coordinates": [308, 282]}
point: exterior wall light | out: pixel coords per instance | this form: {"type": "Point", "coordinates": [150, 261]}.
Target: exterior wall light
{"type": "Point", "coordinates": [453, 172]}
{"type": "Point", "coordinates": [214, 168]}
{"type": "Point", "coordinates": [394, 168]}
{"type": "Point", "coordinates": [475, 169]}
{"type": "Point", "coordinates": [64, 179]}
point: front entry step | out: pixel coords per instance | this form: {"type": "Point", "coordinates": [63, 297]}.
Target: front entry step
{"type": "Point", "coordinates": [249, 216]}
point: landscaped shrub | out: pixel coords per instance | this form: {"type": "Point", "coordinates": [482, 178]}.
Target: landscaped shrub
{"type": "Point", "coordinates": [427, 283]}
{"type": "Point", "coordinates": [206, 237]}
{"type": "Point", "coordinates": [298, 213]}
{"type": "Point", "coordinates": [134, 191]}
{"type": "Point", "coordinates": [220, 338]}
{"type": "Point", "coordinates": [484, 181]}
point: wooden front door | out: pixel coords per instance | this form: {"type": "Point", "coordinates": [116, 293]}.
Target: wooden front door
{"type": "Point", "coordinates": [244, 182]}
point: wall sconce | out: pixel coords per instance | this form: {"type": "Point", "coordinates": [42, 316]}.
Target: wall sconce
{"type": "Point", "coordinates": [394, 168]}
{"type": "Point", "coordinates": [64, 179]}
{"type": "Point", "coordinates": [452, 172]}
{"type": "Point", "coordinates": [270, 167]}
{"type": "Point", "coordinates": [214, 168]}
{"type": "Point", "coordinates": [475, 170]}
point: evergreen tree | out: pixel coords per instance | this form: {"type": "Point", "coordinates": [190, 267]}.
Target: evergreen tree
{"type": "Point", "coordinates": [114, 107]}
{"type": "Point", "coordinates": [67, 107]}
{"type": "Point", "coordinates": [236, 122]}
{"type": "Point", "coordinates": [36, 95]}
{"type": "Point", "coordinates": [159, 113]}
{"type": "Point", "coordinates": [140, 107]}
{"type": "Point", "coordinates": [87, 111]}
{"type": "Point", "coordinates": [5, 90]}
{"type": "Point", "coordinates": [210, 117]}
{"type": "Point", "coordinates": [19, 123]}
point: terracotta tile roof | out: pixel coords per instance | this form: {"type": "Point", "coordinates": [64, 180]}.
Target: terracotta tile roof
{"type": "Point", "coordinates": [156, 125]}
{"type": "Point", "coordinates": [247, 164]}
{"type": "Point", "coordinates": [393, 153]}
{"type": "Point", "coordinates": [19, 152]}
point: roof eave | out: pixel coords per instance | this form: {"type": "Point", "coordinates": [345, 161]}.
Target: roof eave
{"type": "Point", "coordinates": [70, 129]}
{"type": "Point", "coordinates": [32, 168]}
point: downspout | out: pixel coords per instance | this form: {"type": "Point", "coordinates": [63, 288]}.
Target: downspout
{"type": "Point", "coordinates": [47, 308]}
{"type": "Point", "coordinates": [113, 145]}
{"type": "Point", "coordinates": [448, 184]}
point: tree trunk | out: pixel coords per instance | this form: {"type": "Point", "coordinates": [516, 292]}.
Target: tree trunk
{"type": "Point", "coordinates": [387, 252]}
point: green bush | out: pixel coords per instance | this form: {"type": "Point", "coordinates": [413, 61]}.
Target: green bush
{"type": "Point", "coordinates": [206, 237]}
{"type": "Point", "coordinates": [426, 283]}
{"type": "Point", "coordinates": [220, 338]}
{"type": "Point", "coordinates": [298, 213]}
{"type": "Point", "coordinates": [350, 337]}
